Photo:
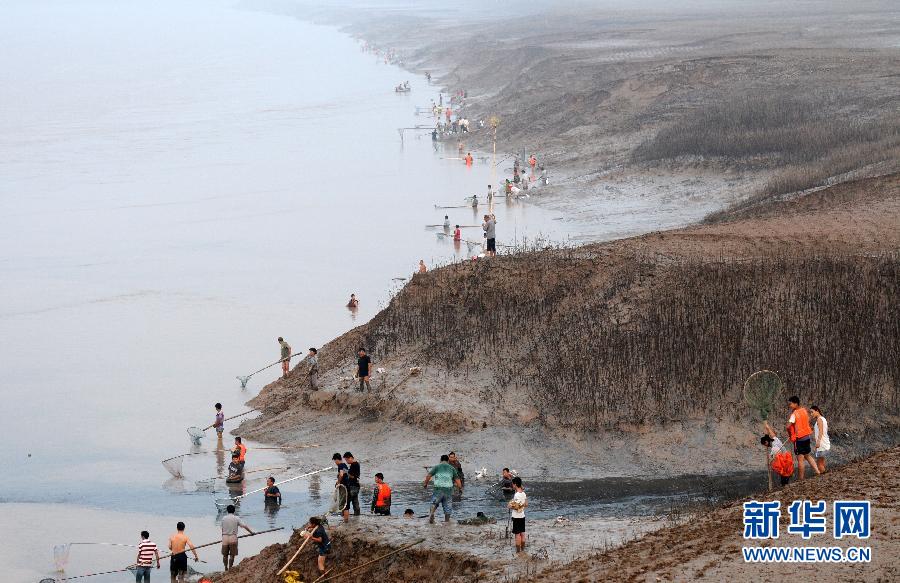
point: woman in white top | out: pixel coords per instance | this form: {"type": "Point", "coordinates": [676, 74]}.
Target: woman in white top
{"type": "Point", "coordinates": [820, 433]}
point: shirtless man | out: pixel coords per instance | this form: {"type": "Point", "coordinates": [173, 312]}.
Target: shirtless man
{"type": "Point", "coordinates": [178, 543]}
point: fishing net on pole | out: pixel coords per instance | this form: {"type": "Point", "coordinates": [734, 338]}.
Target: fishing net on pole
{"type": "Point", "coordinates": [338, 499]}
{"type": "Point", "coordinates": [762, 390]}
{"type": "Point", "coordinates": [196, 434]}
{"type": "Point", "coordinates": [175, 465]}
{"type": "Point", "coordinates": [61, 556]}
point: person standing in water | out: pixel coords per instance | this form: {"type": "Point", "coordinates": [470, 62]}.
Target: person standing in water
{"type": "Point", "coordinates": [474, 201]}
{"type": "Point", "coordinates": [312, 359]}
{"type": "Point", "coordinates": [381, 497]}
{"type": "Point", "coordinates": [820, 434]}
{"type": "Point", "coordinates": [444, 478]}
{"type": "Point", "coordinates": [144, 564]}
{"type": "Point", "coordinates": [490, 194]}
{"type": "Point", "coordinates": [518, 505]}
{"type": "Point", "coordinates": [469, 159]}
{"type": "Point", "coordinates": [285, 357]}
{"type": "Point", "coordinates": [363, 364]}
{"type": "Point", "coordinates": [230, 526]}
{"type": "Point", "coordinates": [454, 461]}
{"type": "Point", "coordinates": [219, 423]}
{"type": "Point", "coordinates": [446, 222]}
{"type": "Point", "coordinates": [353, 303]}
{"type": "Point", "coordinates": [490, 234]}
{"type": "Point", "coordinates": [272, 493]}
{"type": "Point", "coordinates": [353, 473]}
{"type": "Point", "coordinates": [178, 545]}
{"type": "Point", "coordinates": [532, 161]}
{"type": "Point", "coordinates": [457, 234]}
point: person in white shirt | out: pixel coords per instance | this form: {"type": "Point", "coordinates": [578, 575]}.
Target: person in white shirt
{"type": "Point", "coordinates": [230, 525]}
{"type": "Point", "coordinates": [820, 435]}
{"type": "Point", "coordinates": [517, 508]}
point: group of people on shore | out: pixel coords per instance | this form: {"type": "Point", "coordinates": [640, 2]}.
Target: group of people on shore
{"type": "Point", "coordinates": [807, 430]}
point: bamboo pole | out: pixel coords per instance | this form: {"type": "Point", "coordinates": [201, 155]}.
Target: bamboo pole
{"type": "Point", "coordinates": [401, 549]}
{"type": "Point", "coordinates": [233, 417]}
{"type": "Point", "coordinates": [322, 576]}
{"type": "Point", "coordinates": [165, 556]}
{"type": "Point", "coordinates": [295, 555]}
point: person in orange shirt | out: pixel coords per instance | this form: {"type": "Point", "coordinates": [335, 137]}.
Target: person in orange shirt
{"type": "Point", "coordinates": [381, 496]}
{"type": "Point", "coordinates": [468, 159]}
{"type": "Point", "coordinates": [240, 449]}
{"type": "Point", "coordinates": [800, 433]}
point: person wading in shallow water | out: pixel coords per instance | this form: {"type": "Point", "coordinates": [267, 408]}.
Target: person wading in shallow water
{"type": "Point", "coordinates": [352, 483]}
{"type": "Point", "coordinates": [363, 363]}
{"type": "Point", "coordinates": [285, 356]}
{"type": "Point", "coordinates": [444, 477]}
{"type": "Point", "coordinates": [454, 461]}
{"type": "Point", "coordinates": [381, 497]}
{"type": "Point", "coordinates": [353, 303]}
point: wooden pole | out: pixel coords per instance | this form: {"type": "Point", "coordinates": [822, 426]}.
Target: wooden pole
{"type": "Point", "coordinates": [322, 576]}
{"type": "Point", "coordinates": [401, 549]}
{"type": "Point", "coordinates": [294, 556]}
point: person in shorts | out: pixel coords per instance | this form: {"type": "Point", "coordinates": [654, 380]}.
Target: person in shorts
{"type": "Point", "coordinates": [363, 364]}
{"type": "Point", "coordinates": [820, 435]}
{"type": "Point", "coordinates": [517, 507]}
{"type": "Point", "coordinates": [144, 564]}
{"type": "Point", "coordinates": [317, 533]}
{"type": "Point", "coordinates": [230, 526]}
{"type": "Point", "coordinates": [285, 357]}
{"type": "Point", "coordinates": [490, 234]}
{"type": "Point", "coordinates": [800, 433]}
{"type": "Point", "coordinates": [178, 545]}
{"type": "Point", "coordinates": [219, 423]}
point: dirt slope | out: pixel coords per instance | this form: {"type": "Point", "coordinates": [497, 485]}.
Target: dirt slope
{"type": "Point", "coordinates": [662, 327]}
{"type": "Point", "coordinates": [707, 547]}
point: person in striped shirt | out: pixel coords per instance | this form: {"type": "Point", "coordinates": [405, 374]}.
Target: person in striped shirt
{"type": "Point", "coordinates": [144, 563]}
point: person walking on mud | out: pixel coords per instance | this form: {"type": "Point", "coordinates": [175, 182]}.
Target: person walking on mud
{"type": "Point", "coordinates": [313, 373]}
{"type": "Point", "coordinates": [315, 531]}
{"type": "Point", "coordinates": [363, 364]}
{"type": "Point", "coordinates": [518, 505]}
{"type": "Point", "coordinates": [285, 357]}
{"type": "Point", "coordinates": [820, 434]}
{"type": "Point", "coordinates": [444, 477]}
{"type": "Point", "coordinates": [178, 545]}
{"type": "Point", "coordinates": [342, 479]}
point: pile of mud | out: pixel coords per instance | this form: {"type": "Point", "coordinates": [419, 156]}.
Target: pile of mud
{"type": "Point", "coordinates": [350, 550]}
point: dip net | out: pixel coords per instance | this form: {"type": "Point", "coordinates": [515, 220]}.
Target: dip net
{"type": "Point", "coordinates": [196, 434]}
{"type": "Point", "coordinates": [175, 465]}
{"type": "Point", "coordinates": [762, 390]}
{"type": "Point", "coordinates": [339, 499]}
{"type": "Point", "coordinates": [60, 557]}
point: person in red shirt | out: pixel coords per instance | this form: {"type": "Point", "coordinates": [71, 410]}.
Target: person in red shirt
{"type": "Point", "coordinates": [457, 234]}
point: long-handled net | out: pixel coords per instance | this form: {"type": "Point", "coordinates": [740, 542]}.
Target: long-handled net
{"type": "Point", "coordinates": [339, 499]}
{"type": "Point", "coordinates": [209, 484]}
{"type": "Point", "coordinates": [175, 465]}
{"type": "Point", "coordinates": [762, 390]}
{"type": "Point", "coordinates": [197, 433]}
{"type": "Point", "coordinates": [61, 552]}
{"type": "Point", "coordinates": [245, 379]}
{"type": "Point", "coordinates": [222, 503]}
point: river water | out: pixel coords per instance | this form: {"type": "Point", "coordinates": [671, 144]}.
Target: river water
{"type": "Point", "coordinates": [182, 183]}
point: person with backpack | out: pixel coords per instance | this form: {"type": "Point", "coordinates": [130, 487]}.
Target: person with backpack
{"type": "Point", "coordinates": [800, 434]}
{"type": "Point", "coordinates": [780, 459]}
